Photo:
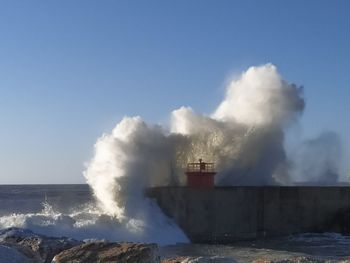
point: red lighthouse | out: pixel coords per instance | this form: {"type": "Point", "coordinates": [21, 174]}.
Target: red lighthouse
{"type": "Point", "coordinates": [200, 175]}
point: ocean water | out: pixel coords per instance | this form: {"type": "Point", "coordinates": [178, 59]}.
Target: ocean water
{"type": "Point", "coordinates": [70, 210]}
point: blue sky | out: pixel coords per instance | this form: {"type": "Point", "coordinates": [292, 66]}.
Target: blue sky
{"type": "Point", "coordinates": [70, 70]}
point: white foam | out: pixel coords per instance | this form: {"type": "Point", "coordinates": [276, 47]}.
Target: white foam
{"type": "Point", "coordinates": [91, 223]}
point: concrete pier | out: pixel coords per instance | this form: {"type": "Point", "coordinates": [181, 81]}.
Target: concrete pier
{"type": "Point", "coordinates": [227, 214]}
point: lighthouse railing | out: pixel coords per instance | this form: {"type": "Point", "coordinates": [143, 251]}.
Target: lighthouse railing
{"type": "Point", "coordinates": [200, 167]}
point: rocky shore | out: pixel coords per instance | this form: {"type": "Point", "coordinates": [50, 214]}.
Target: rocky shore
{"type": "Point", "coordinates": [21, 246]}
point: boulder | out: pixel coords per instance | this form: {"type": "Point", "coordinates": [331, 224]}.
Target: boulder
{"type": "Point", "coordinates": [38, 248]}
{"type": "Point", "coordinates": [110, 252]}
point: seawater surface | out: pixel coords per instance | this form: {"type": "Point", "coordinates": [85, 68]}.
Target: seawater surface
{"type": "Point", "coordinates": [70, 210]}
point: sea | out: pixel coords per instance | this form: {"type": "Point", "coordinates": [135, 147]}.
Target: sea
{"type": "Point", "coordinates": [70, 210]}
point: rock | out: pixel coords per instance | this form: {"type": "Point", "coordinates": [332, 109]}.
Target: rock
{"type": "Point", "coordinates": [38, 248]}
{"type": "Point", "coordinates": [109, 252]}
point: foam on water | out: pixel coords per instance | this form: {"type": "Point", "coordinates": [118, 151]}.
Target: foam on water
{"type": "Point", "coordinates": [89, 222]}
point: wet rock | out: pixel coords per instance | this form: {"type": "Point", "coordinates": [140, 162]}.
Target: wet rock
{"type": "Point", "coordinates": [37, 248]}
{"type": "Point", "coordinates": [109, 252]}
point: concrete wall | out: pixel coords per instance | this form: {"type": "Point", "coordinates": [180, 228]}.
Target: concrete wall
{"type": "Point", "coordinates": [226, 214]}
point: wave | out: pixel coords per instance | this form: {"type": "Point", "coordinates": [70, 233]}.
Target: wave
{"type": "Point", "coordinates": [88, 222]}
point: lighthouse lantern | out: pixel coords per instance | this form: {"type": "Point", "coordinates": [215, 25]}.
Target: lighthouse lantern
{"type": "Point", "coordinates": [200, 175]}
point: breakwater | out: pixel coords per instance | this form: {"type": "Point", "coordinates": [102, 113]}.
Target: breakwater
{"type": "Point", "coordinates": [227, 214]}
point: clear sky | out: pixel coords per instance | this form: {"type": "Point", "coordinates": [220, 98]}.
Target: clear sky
{"type": "Point", "coordinates": [70, 70]}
